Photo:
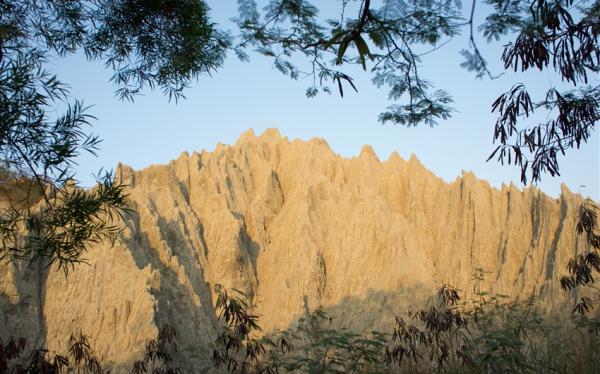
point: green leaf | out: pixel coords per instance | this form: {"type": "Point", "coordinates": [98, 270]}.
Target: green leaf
{"type": "Point", "coordinates": [362, 61]}
{"type": "Point", "coordinates": [341, 52]}
{"type": "Point", "coordinates": [363, 48]}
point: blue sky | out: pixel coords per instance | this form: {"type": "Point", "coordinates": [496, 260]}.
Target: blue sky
{"type": "Point", "coordinates": [254, 95]}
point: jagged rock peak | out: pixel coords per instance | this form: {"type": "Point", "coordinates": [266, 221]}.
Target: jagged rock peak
{"type": "Point", "coordinates": [270, 135]}
{"type": "Point", "coordinates": [247, 136]}
{"type": "Point", "coordinates": [395, 157]}
{"type": "Point", "coordinates": [367, 152]}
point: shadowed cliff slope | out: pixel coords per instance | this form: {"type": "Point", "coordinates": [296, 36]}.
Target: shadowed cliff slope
{"type": "Point", "coordinates": [294, 226]}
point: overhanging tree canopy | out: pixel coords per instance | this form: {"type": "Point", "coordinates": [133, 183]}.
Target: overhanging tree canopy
{"type": "Point", "coordinates": [157, 43]}
{"type": "Point", "coordinates": [388, 38]}
{"type": "Point", "coordinates": [166, 44]}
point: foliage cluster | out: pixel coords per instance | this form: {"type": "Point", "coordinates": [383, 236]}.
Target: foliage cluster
{"type": "Point", "coordinates": [16, 358]}
{"type": "Point", "coordinates": [158, 358]}
{"type": "Point", "coordinates": [582, 267]}
{"type": "Point", "coordinates": [482, 335]}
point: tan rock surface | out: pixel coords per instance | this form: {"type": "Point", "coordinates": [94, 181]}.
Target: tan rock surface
{"type": "Point", "coordinates": [295, 226]}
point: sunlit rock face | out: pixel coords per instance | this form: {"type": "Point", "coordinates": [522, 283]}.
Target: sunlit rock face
{"type": "Point", "coordinates": [295, 226]}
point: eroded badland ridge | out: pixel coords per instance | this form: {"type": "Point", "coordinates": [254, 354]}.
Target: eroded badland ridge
{"type": "Point", "coordinates": [295, 226]}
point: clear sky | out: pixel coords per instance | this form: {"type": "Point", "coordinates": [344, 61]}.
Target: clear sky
{"type": "Point", "coordinates": [254, 95]}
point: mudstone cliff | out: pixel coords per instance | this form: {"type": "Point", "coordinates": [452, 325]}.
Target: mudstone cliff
{"type": "Point", "coordinates": [294, 226]}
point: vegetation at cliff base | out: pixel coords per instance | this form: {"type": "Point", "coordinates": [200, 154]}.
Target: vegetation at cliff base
{"type": "Point", "coordinates": [487, 334]}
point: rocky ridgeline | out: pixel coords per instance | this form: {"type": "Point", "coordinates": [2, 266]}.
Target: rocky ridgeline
{"type": "Point", "coordinates": [294, 226]}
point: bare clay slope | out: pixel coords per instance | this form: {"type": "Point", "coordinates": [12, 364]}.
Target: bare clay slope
{"type": "Point", "coordinates": [295, 226]}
